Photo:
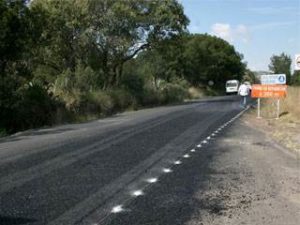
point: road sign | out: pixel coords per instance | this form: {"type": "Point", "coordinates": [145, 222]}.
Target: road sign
{"type": "Point", "coordinates": [268, 91]}
{"type": "Point", "coordinates": [273, 79]}
{"type": "Point", "coordinates": [297, 62]}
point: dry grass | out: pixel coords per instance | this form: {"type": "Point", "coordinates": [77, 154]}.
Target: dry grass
{"type": "Point", "coordinates": [286, 130]}
{"type": "Point", "coordinates": [291, 105]}
{"type": "Point", "coordinates": [195, 93]}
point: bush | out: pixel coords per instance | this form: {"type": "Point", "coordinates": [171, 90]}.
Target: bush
{"type": "Point", "coordinates": [3, 132]}
{"type": "Point", "coordinates": [173, 93]}
{"type": "Point", "coordinates": [96, 102]}
{"type": "Point", "coordinates": [34, 107]}
{"type": "Point", "coordinates": [195, 93]}
{"type": "Point", "coordinates": [134, 84]}
{"type": "Point", "coordinates": [151, 97]}
{"type": "Point", "coordinates": [296, 78]}
{"type": "Point", "coordinates": [121, 98]}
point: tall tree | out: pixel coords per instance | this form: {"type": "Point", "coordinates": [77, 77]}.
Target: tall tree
{"type": "Point", "coordinates": [121, 29]}
{"type": "Point", "coordinates": [295, 80]}
{"type": "Point", "coordinates": [105, 34]}
{"type": "Point", "coordinates": [15, 39]}
{"type": "Point", "coordinates": [250, 76]}
{"type": "Point", "coordinates": [281, 64]}
{"type": "Point", "coordinates": [164, 61]}
{"type": "Point", "coordinates": [209, 58]}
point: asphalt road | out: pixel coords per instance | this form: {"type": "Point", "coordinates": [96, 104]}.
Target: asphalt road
{"type": "Point", "coordinates": [115, 170]}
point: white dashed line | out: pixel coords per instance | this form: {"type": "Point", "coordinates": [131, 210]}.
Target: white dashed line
{"type": "Point", "coordinates": [152, 180]}
{"type": "Point", "coordinates": [137, 193]}
{"type": "Point", "coordinates": [167, 170]}
{"type": "Point", "coordinates": [193, 150]}
{"type": "Point", "coordinates": [204, 142]}
{"type": "Point", "coordinates": [117, 209]}
{"type": "Point", "coordinates": [186, 156]}
{"type": "Point", "coordinates": [199, 146]}
{"type": "Point", "coordinates": [177, 162]}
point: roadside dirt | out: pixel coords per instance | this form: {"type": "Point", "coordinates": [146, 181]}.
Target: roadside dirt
{"type": "Point", "coordinates": [252, 182]}
{"type": "Point", "coordinates": [285, 130]}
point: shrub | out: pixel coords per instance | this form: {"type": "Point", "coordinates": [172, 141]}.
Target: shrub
{"type": "Point", "coordinates": [3, 132]}
{"type": "Point", "coordinates": [134, 84]}
{"type": "Point", "coordinates": [121, 98]}
{"type": "Point", "coordinates": [34, 107]}
{"type": "Point", "coordinates": [195, 93]}
{"type": "Point", "coordinates": [151, 97]}
{"type": "Point", "coordinates": [96, 102]}
{"type": "Point", "coordinates": [173, 93]}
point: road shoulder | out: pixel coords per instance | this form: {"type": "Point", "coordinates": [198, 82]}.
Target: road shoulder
{"type": "Point", "coordinates": [255, 181]}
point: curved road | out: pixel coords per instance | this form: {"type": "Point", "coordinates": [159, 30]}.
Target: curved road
{"type": "Point", "coordinates": [83, 173]}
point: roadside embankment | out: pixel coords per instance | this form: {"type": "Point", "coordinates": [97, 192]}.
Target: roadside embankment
{"type": "Point", "coordinates": [286, 129]}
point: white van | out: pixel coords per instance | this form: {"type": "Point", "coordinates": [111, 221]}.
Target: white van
{"type": "Point", "coordinates": [232, 86]}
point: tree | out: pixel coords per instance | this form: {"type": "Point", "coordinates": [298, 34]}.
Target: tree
{"type": "Point", "coordinates": [15, 40]}
{"type": "Point", "coordinates": [122, 29]}
{"type": "Point", "coordinates": [281, 64]}
{"type": "Point", "coordinates": [105, 34]}
{"type": "Point", "coordinates": [295, 80]}
{"type": "Point", "coordinates": [210, 58]}
{"type": "Point", "coordinates": [164, 61]}
{"type": "Point", "coordinates": [250, 76]}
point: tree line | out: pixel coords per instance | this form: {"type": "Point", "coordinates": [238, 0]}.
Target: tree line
{"type": "Point", "coordinates": [74, 60]}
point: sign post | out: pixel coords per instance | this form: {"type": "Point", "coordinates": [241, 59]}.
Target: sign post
{"type": "Point", "coordinates": [268, 91]}
{"type": "Point", "coordinates": [278, 108]}
{"type": "Point", "coordinates": [258, 109]}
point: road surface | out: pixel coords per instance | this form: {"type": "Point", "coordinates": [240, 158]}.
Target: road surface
{"type": "Point", "coordinates": [128, 169]}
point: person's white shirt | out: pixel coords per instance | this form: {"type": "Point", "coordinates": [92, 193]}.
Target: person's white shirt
{"type": "Point", "coordinates": [243, 90]}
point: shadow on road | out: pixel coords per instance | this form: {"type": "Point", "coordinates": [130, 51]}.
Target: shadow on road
{"type": "Point", "coordinates": [37, 132]}
{"type": "Point", "coordinates": [5, 220]}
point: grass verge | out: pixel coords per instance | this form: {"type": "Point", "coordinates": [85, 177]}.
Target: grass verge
{"type": "Point", "coordinates": [286, 129]}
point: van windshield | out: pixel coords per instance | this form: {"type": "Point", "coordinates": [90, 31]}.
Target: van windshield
{"type": "Point", "coordinates": [231, 84]}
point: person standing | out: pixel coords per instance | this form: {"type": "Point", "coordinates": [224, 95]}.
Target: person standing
{"type": "Point", "coordinates": [243, 92]}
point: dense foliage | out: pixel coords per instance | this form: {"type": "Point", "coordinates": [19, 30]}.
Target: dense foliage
{"type": "Point", "coordinates": [76, 60]}
{"type": "Point", "coordinates": [281, 64]}
{"type": "Point", "coordinates": [210, 58]}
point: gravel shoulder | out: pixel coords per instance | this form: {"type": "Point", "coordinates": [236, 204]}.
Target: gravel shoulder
{"type": "Point", "coordinates": [255, 181]}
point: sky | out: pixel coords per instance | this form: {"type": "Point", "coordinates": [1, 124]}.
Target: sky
{"type": "Point", "coordinates": [257, 28]}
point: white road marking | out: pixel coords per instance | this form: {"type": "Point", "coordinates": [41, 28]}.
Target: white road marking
{"type": "Point", "coordinates": [117, 209]}
{"type": "Point", "coordinates": [152, 180]}
{"type": "Point", "coordinates": [199, 146]}
{"type": "Point", "coordinates": [137, 193]}
{"type": "Point", "coordinates": [208, 138]}
{"type": "Point", "coordinates": [204, 142]}
{"type": "Point", "coordinates": [186, 156]}
{"type": "Point", "coordinates": [193, 150]}
{"type": "Point", "coordinates": [177, 162]}
{"type": "Point", "coordinates": [167, 170]}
